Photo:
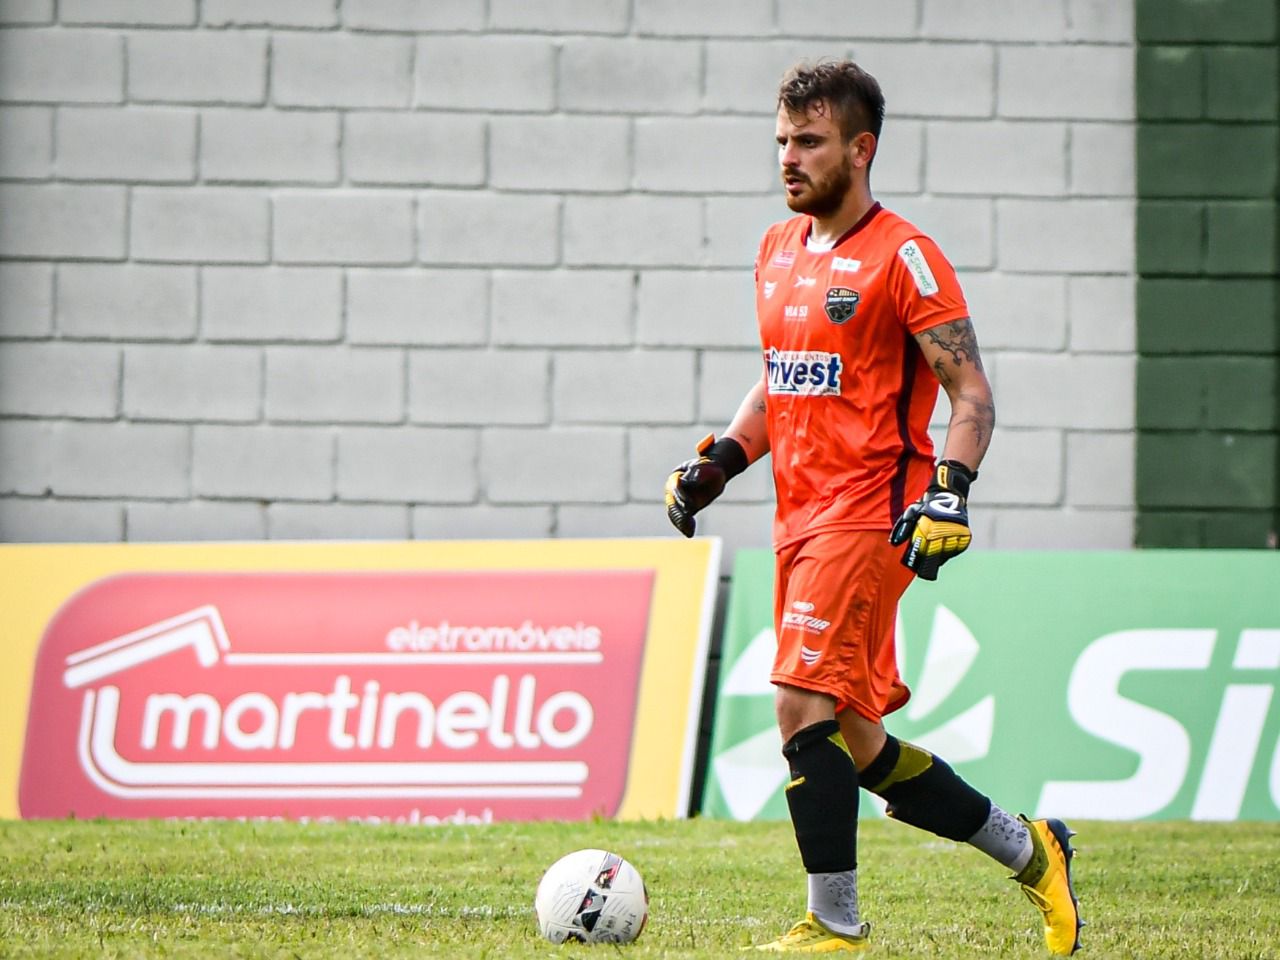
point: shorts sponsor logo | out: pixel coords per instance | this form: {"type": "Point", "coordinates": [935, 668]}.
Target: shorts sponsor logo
{"type": "Point", "coordinates": [841, 303]}
{"type": "Point", "coordinates": [911, 255]}
{"type": "Point", "coordinates": [804, 373]}
{"type": "Point", "coordinates": [804, 606]}
{"type": "Point", "coordinates": [805, 621]}
{"type": "Point", "coordinates": [277, 692]}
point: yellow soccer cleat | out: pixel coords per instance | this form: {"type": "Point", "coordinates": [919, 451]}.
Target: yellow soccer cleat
{"type": "Point", "coordinates": [1047, 883]}
{"type": "Point", "coordinates": [810, 936]}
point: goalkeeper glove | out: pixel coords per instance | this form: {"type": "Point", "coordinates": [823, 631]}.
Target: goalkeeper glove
{"type": "Point", "coordinates": [938, 523]}
{"type": "Point", "coordinates": [695, 483]}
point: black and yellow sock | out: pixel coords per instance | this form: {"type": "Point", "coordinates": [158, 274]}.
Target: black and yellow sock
{"type": "Point", "coordinates": [823, 798]}
{"type": "Point", "coordinates": [924, 791]}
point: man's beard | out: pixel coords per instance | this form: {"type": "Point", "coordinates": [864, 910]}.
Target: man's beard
{"type": "Point", "coordinates": [825, 196]}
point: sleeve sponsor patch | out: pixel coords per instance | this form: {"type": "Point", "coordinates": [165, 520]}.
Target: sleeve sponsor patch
{"type": "Point", "coordinates": [911, 255]}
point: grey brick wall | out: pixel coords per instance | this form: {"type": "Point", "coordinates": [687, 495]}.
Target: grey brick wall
{"type": "Point", "coordinates": [482, 268]}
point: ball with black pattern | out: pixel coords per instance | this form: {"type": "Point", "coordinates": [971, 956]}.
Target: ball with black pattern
{"type": "Point", "coordinates": [591, 896]}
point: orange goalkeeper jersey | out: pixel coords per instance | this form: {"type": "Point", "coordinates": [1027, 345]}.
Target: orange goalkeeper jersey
{"type": "Point", "coordinates": [849, 394]}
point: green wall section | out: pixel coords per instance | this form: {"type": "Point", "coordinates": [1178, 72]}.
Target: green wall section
{"type": "Point", "coordinates": [1208, 261]}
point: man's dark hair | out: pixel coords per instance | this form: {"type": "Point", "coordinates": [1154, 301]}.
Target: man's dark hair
{"type": "Point", "coordinates": [852, 95]}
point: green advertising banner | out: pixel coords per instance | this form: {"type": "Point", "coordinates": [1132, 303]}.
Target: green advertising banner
{"type": "Point", "coordinates": [1113, 686]}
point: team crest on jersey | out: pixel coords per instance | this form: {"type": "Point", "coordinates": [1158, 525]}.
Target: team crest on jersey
{"type": "Point", "coordinates": [784, 258]}
{"type": "Point", "coordinates": [842, 303]}
{"type": "Point", "coordinates": [803, 373]}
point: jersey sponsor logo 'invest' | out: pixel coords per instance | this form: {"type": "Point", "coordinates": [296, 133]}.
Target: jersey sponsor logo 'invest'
{"type": "Point", "coordinates": [805, 373]}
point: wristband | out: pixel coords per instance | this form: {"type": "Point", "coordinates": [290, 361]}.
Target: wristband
{"type": "Point", "coordinates": [954, 476]}
{"type": "Point", "coordinates": [726, 453]}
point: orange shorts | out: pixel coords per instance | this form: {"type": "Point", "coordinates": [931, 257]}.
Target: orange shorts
{"type": "Point", "coordinates": [835, 608]}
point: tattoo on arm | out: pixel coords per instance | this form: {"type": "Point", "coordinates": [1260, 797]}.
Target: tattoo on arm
{"type": "Point", "coordinates": [959, 345]}
{"type": "Point", "coordinates": [940, 371]}
{"type": "Point", "coordinates": [977, 414]}
{"type": "Point", "coordinates": [750, 440]}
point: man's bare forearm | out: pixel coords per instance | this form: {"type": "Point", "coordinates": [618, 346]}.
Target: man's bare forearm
{"type": "Point", "coordinates": [973, 418]}
{"type": "Point", "coordinates": [748, 426]}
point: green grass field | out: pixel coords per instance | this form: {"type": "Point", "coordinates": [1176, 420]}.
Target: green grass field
{"type": "Point", "coordinates": [159, 889]}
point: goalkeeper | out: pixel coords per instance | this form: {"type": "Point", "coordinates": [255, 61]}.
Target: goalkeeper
{"type": "Point", "coordinates": [861, 318]}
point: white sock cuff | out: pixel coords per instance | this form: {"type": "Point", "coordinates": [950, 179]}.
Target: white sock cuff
{"type": "Point", "coordinates": [1005, 839]}
{"type": "Point", "coordinates": [833, 899]}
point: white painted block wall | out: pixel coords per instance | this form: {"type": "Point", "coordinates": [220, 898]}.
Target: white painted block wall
{"type": "Point", "coordinates": [482, 268]}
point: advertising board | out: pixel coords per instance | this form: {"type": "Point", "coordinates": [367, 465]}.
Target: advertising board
{"type": "Point", "coordinates": [401, 682]}
{"type": "Point", "coordinates": [1115, 686]}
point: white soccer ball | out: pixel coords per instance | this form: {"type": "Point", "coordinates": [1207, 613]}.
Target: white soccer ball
{"type": "Point", "coordinates": [591, 896]}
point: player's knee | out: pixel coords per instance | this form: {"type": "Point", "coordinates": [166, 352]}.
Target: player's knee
{"type": "Point", "coordinates": [798, 709]}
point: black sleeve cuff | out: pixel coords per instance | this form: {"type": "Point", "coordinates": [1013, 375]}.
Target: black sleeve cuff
{"type": "Point", "coordinates": [727, 454]}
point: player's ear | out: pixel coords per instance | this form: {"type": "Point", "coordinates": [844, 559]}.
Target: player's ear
{"type": "Point", "coordinates": [862, 149]}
